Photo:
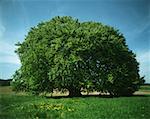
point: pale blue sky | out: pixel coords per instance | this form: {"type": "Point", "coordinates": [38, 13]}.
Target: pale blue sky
{"type": "Point", "coordinates": [131, 17]}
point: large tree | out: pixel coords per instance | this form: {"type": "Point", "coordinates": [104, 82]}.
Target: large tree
{"type": "Point", "coordinates": [66, 54]}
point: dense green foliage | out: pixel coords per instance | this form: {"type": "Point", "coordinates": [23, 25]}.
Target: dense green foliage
{"type": "Point", "coordinates": [66, 54]}
{"type": "Point", "coordinates": [30, 107]}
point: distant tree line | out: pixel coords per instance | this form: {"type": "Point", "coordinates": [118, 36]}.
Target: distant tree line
{"type": "Point", "coordinates": [5, 82]}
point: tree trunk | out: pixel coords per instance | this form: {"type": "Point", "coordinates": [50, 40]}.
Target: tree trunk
{"type": "Point", "coordinates": [73, 92]}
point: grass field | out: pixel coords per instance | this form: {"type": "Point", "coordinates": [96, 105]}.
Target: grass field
{"type": "Point", "coordinates": [19, 106]}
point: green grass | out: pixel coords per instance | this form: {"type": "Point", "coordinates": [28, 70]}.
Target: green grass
{"type": "Point", "coordinates": [5, 90]}
{"type": "Point", "coordinates": [31, 107]}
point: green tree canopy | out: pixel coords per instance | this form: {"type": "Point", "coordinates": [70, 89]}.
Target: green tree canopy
{"type": "Point", "coordinates": [66, 54]}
